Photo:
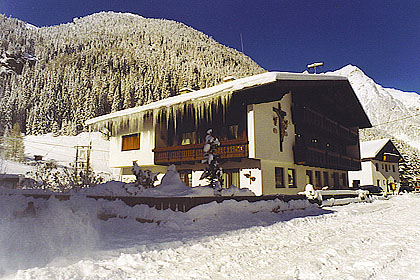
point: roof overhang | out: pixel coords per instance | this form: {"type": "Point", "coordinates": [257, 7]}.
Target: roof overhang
{"type": "Point", "coordinates": [221, 94]}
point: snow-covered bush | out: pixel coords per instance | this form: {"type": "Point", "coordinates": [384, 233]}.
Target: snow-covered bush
{"type": "Point", "coordinates": [49, 176]}
{"type": "Point", "coordinates": [144, 178]}
{"type": "Point", "coordinates": [213, 172]}
{"type": "Point", "coordinates": [76, 179]}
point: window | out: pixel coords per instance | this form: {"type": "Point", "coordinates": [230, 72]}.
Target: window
{"type": "Point", "coordinates": [386, 167]}
{"type": "Point", "coordinates": [188, 138]}
{"type": "Point", "coordinates": [326, 181]}
{"type": "Point", "coordinates": [309, 177]}
{"type": "Point", "coordinates": [393, 168]}
{"type": "Point", "coordinates": [343, 180]}
{"type": "Point", "coordinates": [336, 180]}
{"type": "Point", "coordinates": [233, 131]}
{"type": "Point", "coordinates": [186, 177]}
{"type": "Point", "coordinates": [318, 182]}
{"type": "Point", "coordinates": [131, 142]}
{"type": "Point", "coordinates": [376, 165]}
{"type": "Point", "coordinates": [356, 184]}
{"type": "Point", "coordinates": [378, 183]}
{"type": "Point", "coordinates": [291, 178]}
{"type": "Point", "coordinates": [231, 177]}
{"type": "Point", "coordinates": [279, 174]}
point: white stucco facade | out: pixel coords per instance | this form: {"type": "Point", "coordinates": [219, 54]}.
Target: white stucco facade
{"type": "Point", "coordinates": [376, 172]}
{"type": "Point", "coordinates": [269, 167]}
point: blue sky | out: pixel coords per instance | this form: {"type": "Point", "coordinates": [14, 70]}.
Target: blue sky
{"type": "Point", "coordinates": [380, 37]}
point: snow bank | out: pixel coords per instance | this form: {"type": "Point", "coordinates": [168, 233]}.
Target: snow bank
{"type": "Point", "coordinates": [171, 186]}
{"type": "Point", "coordinates": [49, 230]}
{"type": "Point", "coordinates": [39, 232]}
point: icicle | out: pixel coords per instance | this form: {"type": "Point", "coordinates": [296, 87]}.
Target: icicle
{"type": "Point", "coordinates": [200, 108]}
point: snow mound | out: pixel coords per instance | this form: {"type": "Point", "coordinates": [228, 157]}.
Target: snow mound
{"type": "Point", "coordinates": [48, 233]}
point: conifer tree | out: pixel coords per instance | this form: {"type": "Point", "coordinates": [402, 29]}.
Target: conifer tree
{"type": "Point", "coordinates": [13, 143]}
{"type": "Point", "coordinates": [213, 172]}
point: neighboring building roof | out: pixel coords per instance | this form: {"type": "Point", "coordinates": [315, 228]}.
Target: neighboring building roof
{"type": "Point", "coordinates": [370, 149]}
{"type": "Point", "coordinates": [202, 98]}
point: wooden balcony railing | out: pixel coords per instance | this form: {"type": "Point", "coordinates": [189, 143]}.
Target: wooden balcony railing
{"type": "Point", "coordinates": [319, 158]}
{"type": "Point", "coordinates": [319, 123]}
{"type": "Point", "coordinates": [229, 149]}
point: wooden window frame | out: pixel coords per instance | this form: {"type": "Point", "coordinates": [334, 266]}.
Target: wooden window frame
{"type": "Point", "coordinates": [326, 178]}
{"type": "Point", "coordinates": [291, 178]}
{"type": "Point", "coordinates": [279, 177]}
{"type": "Point", "coordinates": [229, 175]}
{"type": "Point", "coordinates": [343, 179]}
{"type": "Point", "coordinates": [318, 179]}
{"type": "Point", "coordinates": [309, 177]}
{"type": "Point", "coordinates": [130, 146]}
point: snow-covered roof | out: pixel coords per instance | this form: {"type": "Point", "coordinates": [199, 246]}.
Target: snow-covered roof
{"type": "Point", "coordinates": [370, 149]}
{"type": "Point", "coordinates": [202, 98]}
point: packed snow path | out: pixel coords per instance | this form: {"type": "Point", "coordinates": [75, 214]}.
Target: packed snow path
{"type": "Point", "coordinates": [378, 240]}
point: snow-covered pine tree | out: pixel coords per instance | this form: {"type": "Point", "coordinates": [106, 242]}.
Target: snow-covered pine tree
{"type": "Point", "coordinates": [13, 144]}
{"type": "Point", "coordinates": [213, 172]}
{"type": "Point", "coordinates": [55, 129]}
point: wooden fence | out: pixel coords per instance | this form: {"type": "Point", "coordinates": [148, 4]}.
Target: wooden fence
{"type": "Point", "coordinates": [182, 204]}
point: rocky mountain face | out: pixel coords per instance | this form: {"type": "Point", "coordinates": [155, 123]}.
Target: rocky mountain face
{"type": "Point", "coordinates": [393, 113]}
{"type": "Point", "coordinates": [54, 78]}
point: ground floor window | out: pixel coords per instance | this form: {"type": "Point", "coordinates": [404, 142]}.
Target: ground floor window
{"type": "Point", "coordinates": [344, 180]}
{"type": "Point", "coordinates": [318, 182]}
{"type": "Point", "coordinates": [356, 184]}
{"type": "Point", "coordinates": [231, 177]}
{"type": "Point", "coordinates": [309, 177]}
{"type": "Point", "coordinates": [279, 174]}
{"type": "Point", "coordinates": [326, 181]}
{"type": "Point", "coordinates": [335, 179]}
{"type": "Point", "coordinates": [291, 178]}
{"type": "Point", "coordinates": [186, 177]}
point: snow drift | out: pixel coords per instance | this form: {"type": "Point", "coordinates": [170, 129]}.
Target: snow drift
{"type": "Point", "coordinates": [58, 232]}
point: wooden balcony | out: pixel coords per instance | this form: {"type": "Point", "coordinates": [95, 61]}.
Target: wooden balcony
{"type": "Point", "coordinates": [229, 149]}
{"type": "Point", "coordinates": [308, 119]}
{"type": "Point", "coordinates": [319, 158]}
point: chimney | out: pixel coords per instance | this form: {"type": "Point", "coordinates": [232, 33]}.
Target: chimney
{"type": "Point", "coordinates": [228, 79]}
{"type": "Point", "coordinates": [185, 90]}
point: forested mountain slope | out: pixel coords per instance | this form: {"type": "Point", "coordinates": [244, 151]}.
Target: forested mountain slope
{"type": "Point", "coordinates": [54, 78]}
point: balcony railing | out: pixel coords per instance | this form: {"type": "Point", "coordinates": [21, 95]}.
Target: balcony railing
{"type": "Point", "coordinates": [229, 149]}
{"type": "Point", "coordinates": [320, 123]}
{"type": "Point", "coordinates": [318, 158]}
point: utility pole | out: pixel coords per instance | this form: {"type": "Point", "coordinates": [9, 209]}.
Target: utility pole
{"type": "Point", "coordinates": [82, 158]}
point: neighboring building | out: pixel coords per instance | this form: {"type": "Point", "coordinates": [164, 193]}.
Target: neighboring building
{"type": "Point", "coordinates": [380, 159]}
{"type": "Point", "coordinates": [278, 132]}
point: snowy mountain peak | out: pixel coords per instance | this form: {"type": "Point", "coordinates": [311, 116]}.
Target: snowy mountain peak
{"type": "Point", "coordinates": [389, 110]}
{"type": "Point", "coordinates": [349, 70]}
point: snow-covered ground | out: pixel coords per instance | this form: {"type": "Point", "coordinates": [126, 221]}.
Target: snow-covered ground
{"type": "Point", "coordinates": [232, 240]}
